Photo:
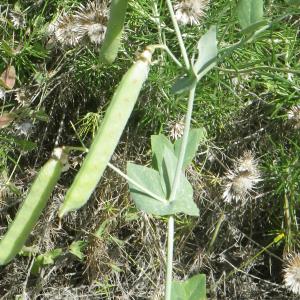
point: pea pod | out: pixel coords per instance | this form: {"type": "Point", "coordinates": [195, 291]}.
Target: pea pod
{"type": "Point", "coordinates": [31, 209]}
{"type": "Point", "coordinates": [112, 40]}
{"type": "Point", "coordinates": [108, 134]}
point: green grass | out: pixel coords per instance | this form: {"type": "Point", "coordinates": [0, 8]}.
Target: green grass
{"type": "Point", "coordinates": [243, 105]}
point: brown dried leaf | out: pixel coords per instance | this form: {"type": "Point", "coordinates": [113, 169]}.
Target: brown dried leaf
{"type": "Point", "coordinates": [8, 77]}
{"type": "Point", "coordinates": [6, 119]}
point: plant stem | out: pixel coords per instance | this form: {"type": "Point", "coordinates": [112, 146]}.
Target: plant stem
{"type": "Point", "coordinates": [140, 187]}
{"type": "Point", "coordinates": [169, 52]}
{"type": "Point", "coordinates": [174, 190]}
{"type": "Point", "coordinates": [187, 125]}
{"type": "Point", "coordinates": [170, 258]}
{"type": "Point", "coordinates": [178, 34]}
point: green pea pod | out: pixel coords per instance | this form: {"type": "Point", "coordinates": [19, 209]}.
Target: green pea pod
{"type": "Point", "coordinates": [112, 40]}
{"type": "Point", "coordinates": [108, 134]}
{"type": "Point", "coordinates": [41, 189]}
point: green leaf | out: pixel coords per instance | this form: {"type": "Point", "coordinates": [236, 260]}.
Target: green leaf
{"type": "Point", "coordinates": [76, 249]}
{"type": "Point", "coordinates": [254, 27]}
{"type": "Point", "coordinates": [196, 136]}
{"type": "Point", "coordinates": [293, 2]}
{"type": "Point", "coordinates": [207, 52]}
{"type": "Point", "coordinates": [14, 189]}
{"type": "Point", "coordinates": [158, 144]}
{"type": "Point", "coordinates": [41, 115]}
{"type": "Point", "coordinates": [149, 179]}
{"type": "Point", "coordinates": [183, 83]}
{"type": "Point", "coordinates": [45, 259]}
{"type": "Point", "coordinates": [159, 183]}
{"type": "Point", "coordinates": [183, 201]}
{"type": "Point", "coordinates": [24, 145]}
{"type": "Point", "coordinates": [250, 12]}
{"type": "Point", "coordinates": [100, 232]}
{"type": "Point", "coordinates": [191, 289]}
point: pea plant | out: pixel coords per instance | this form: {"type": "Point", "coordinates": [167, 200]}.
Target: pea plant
{"type": "Point", "coordinates": [162, 189]}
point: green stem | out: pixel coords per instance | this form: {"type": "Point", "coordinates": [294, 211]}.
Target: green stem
{"type": "Point", "coordinates": [169, 52]}
{"type": "Point", "coordinates": [174, 190]}
{"type": "Point", "coordinates": [170, 258]}
{"type": "Point", "coordinates": [178, 34]}
{"type": "Point", "coordinates": [216, 232]}
{"type": "Point", "coordinates": [187, 125]}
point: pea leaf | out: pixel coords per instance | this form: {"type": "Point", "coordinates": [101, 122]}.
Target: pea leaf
{"type": "Point", "coordinates": [249, 12]}
{"type": "Point", "coordinates": [149, 179]}
{"type": "Point", "coordinates": [24, 145]}
{"type": "Point", "coordinates": [45, 259]}
{"type": "Point", "coordinates": [196, 136]}
{"type": "Point", "coordinates": [207, 52]}
{"type": "Point", "coordinates": [183, 83]}
{"type": "Point", "coordinates": [159, 183]}
{"type": "Point", "coordinates": [76, 249]}
{"type": "Point", "coordinates": [191, 289]}
{"type": "Point", "coordinates": [158, 144]}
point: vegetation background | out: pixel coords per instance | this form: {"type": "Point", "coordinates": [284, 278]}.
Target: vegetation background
{"type": "Point", "coordinates": [107, 249]}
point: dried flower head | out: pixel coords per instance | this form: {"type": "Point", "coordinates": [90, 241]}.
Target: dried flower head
{"type": "Point", "coordinates": [24, 128]}
{"type": "Point", "coordinates": [292, 273]}
{"type": "Point", "coordinates": [294, 116]}
{"type": "Point", "coordinates": [93, 19]}
{"type": "Point", "coordinates": [21, 96]}
{"type": "Point", "coordinates": [242, 180]}
{"type": "Point", "coordinates": [18, 19]}
{"type": "Point", "coordinates": [176, 129]}
{"type": "Point", "coordinates": [190, 11]}
{"type": "Point", "coordinates": [247, 163]}
{"type": "Point", "coordinates": [2, 93]}
{"type": "Point", "coordinates": [67, 30]}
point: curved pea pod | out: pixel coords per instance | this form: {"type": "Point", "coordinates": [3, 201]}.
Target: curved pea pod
{"type": "Point", "coordinates": [27, 216]}
{"type": "Point", "coordinates": [112, 40]}
{"type": "Point", "coordinates": [108, 135]}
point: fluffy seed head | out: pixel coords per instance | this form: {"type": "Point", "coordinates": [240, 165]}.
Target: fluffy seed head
{"type": "Point", "coordinates": [176, 129]}
{"type": "Point", "coordinates": [292, 273]}
{"type": "Point", "coordinates": [294, 116]}
{"type": "Point", "coordinates": [67, 30]}
{"type": "Point", "coordinates": [190, 11]}
{"type": "Point", "coordinates": [247, 163]}
{"type": "Point", "coordinates": [93, 18]}
{"type": "Point", "coordinates": [18, 19]}
{"type": "Point", "coordinates": [242, 180]}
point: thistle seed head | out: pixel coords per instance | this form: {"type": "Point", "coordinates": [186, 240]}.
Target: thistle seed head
{"type": "Point", "coordinates": [176, 129]}
{"type": "Point", "coordinates": [93, 18]}
{"type": "Point", "coordinates": [18, 19]}
{"type": "Point", "coordinates": [190, 11]}
{"type": "Point", "coordinates": [242, 180]}
{"type": "Point", "coordinates": [292, 273]}
{"type": "Point", "coordinates": [67, 30]}
{"type": "Point", "coordinates": [294, 116]}
{"type": "Point", "coordinates": [247, 163]}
